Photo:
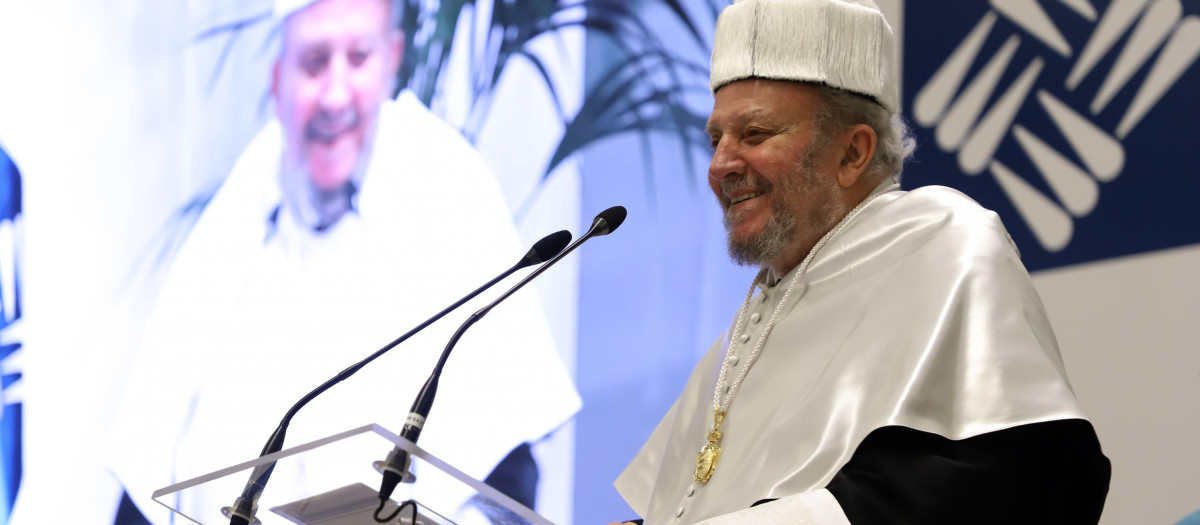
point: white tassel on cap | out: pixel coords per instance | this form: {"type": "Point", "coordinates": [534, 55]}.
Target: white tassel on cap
{"type": "Point", "coordinates": [845, 44]}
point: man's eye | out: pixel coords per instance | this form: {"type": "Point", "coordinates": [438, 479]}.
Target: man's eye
{"type": "Point", "coordinates": [314, 64]}
{"type": "Point", "coordinates": [713, 143]}
{"type": "Point", "coordinates": [357, 58]}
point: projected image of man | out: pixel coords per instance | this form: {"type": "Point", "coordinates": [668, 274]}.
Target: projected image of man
{"type": "Point", "coordinates": [350, 218]}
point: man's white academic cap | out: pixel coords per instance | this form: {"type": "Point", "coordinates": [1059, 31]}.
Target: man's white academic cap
{"type": "Point", "coordinates": [845, 44]}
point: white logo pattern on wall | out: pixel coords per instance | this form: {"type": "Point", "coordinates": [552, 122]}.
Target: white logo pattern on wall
{"type": "Point", "coordinates": [1097, 156]}
{"type": "Point", "coordinates": [10, 325]}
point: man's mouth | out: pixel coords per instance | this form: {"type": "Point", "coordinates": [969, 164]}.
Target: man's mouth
{"type": "Point", "coordinates": [735, 191]}
{"type": "Point", "coordinates": [327, 128]}
{"type": "Point", "coordinates": [741, 198]}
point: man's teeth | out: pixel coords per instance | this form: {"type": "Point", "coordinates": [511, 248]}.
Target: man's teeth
{"type": "Point", "coordinates": [736, 200]}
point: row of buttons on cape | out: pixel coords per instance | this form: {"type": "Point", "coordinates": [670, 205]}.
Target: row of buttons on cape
{"type": "Point", "coordinates": [733, 361]}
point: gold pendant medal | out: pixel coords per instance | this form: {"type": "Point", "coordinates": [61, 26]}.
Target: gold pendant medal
{"type": "Point", "coordinates": [706, 460]}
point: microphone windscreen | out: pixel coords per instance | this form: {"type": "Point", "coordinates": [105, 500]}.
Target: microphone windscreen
{"type": "Point", "coordinates": [546, 248]}
{"type": "Point", "coordinates": [551, 244]}
{"type": "Point", "coordinates": [612, 217]}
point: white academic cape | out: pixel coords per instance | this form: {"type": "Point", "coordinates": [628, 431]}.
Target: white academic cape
{"type": "Point", "coordinates": [917, 313]}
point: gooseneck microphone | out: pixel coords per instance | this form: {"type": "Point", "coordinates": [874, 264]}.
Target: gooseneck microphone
{"type": "Point", "coordinates": [395, 467]}
{"type": "Point", "coordinates": [243, 509]}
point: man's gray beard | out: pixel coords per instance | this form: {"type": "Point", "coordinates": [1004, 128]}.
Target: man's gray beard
{"type": "Point", "coordinates": [316, 207]}
{"type": "Point", "coordinates": [768, 244]}
{"type": "Point", "coordinates": [782, 228]}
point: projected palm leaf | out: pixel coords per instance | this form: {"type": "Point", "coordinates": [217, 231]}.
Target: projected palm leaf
{"type": "Point", "coordinates": [646, 91]}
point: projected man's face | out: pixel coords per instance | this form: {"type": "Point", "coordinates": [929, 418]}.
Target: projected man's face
{"type": "Point", "coordinates": [336, 67]}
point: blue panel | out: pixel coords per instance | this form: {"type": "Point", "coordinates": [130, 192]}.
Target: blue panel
{"type": "Point", "coordinates": [10, 415]}
{"type": "Point", "coordinates": [1144, 206]}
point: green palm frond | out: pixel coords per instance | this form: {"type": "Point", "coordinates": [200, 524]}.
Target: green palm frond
{"type": "Point", "coordinates": [646, 90]}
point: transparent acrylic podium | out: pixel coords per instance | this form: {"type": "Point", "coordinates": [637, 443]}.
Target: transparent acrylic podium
{"type": "Point", "coordinates": [332, 481]}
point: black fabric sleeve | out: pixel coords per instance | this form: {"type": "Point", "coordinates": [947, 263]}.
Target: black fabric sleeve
{"type": "Point", "coordinates": [517, 476]}
{"type": "Point", "coordinates": [1052, 472]}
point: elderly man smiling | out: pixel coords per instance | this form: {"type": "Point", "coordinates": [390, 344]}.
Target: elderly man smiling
{"type": "Point", "coordinates": [349, 219]}
{"type": "Point", "coordinates": [892, 362]}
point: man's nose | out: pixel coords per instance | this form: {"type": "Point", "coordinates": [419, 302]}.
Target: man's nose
{"type": "Point", "coordinates": [726, 161]}
{"type": "Point", "coordinates": [337, 93]}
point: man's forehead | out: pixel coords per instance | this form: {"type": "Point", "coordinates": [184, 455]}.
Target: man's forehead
{"type": "Point", "coordinates": [774, 101]}
{"type": "Point", "coordinates": [732, 116]}
{"type": "Point", "coordinates": [331, 19]}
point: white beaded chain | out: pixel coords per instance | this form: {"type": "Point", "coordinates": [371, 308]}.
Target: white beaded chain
{"type": "Point", "coordinates": [722, 407]}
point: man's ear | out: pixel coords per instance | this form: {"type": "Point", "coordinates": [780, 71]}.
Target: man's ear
{"type": "Point", "coordinates": [857, 153]}
{"type": "Point", "coordinates": [396, 43]}
{"type": "Point", "coordinates": [275, 81]}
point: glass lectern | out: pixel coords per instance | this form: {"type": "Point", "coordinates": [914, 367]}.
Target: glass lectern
{"type": "Point", "coordinates": [333, 481]}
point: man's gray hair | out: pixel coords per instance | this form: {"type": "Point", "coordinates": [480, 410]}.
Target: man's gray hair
{"type": "Point", "coordinates": [894, 140]}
